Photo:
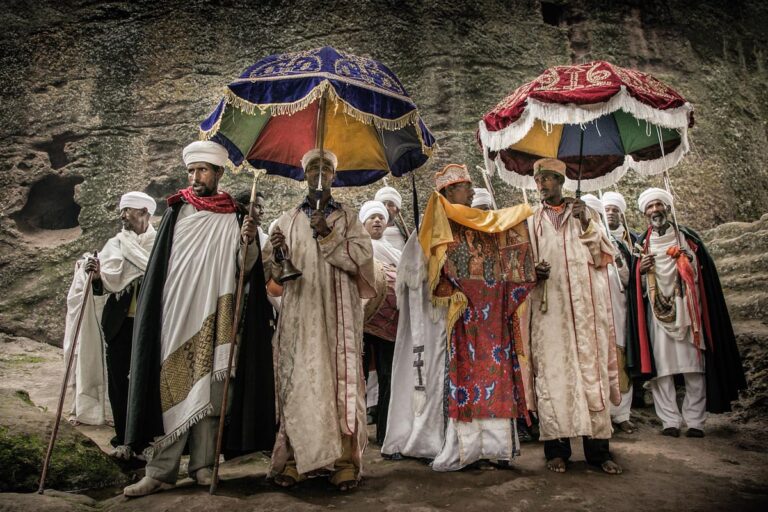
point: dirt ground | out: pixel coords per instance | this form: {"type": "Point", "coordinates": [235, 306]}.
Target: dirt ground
{"type": "Point", "coordinates": [728, 469]}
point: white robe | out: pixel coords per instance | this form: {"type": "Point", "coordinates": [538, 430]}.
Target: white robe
{"type": "Point", "coordinates": [417, 423]}
{"type": "Point", "coordinates": [394, 237]}
{"type": "Point", "coordinates": [673, 348]}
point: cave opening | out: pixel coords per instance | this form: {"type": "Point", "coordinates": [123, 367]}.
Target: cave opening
{"type": "Point", "coordinates": [50, 205]}
{"type": "Point", "coordinates": [552, 13]}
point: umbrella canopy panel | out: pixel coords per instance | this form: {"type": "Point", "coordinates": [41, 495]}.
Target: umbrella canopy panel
{"type": "Point", "coordinates": [272, 114]}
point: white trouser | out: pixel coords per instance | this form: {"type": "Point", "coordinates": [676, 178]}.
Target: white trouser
{"type": "Point", "coordinates": [164, 466]}
{"type": "Point", "coordinates": [694, 403]}
{"type": "Point", "coordinates": [620, 413]}
{"type": "Point", "coordinates": [372, 389]}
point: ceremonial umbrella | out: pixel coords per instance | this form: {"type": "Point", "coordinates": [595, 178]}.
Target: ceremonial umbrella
{"type": "Point", "coordinates": [285, 105]}
{"type": "Point", "coordinates": [600, 119]}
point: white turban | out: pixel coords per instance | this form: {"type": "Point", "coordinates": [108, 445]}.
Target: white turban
{"type": "Point", "coordinates": [653, 194]}
{"type": "Point", "coordinates": [205, 151]}
{"type": "Point", "coordinates": [138, 200]}
{"type": "Point", "coordinates": [482, 197]}
{"type": "Point", "coordinates": [593, 202]}
{"type": "Point", "coordinates": [371, 207]}
{"type": "Point", "coordinates": [389, 194]}
{"type": "Point", "coordinates": [615, 199]}
{"type": "Point", "coordinates": [315, 153]}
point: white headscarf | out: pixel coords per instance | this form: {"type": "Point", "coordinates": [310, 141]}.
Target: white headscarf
{"type": "Point", "coordinates": [654, 194]}
{"type": "Point", "coordinates": [205, 151]}
{"type": "Point", "coordinates": [482, 197]}
{"type": "Point", "coordinates": [615, 199]}
{"type": "Point", "coordinates": [593, 202]}
{"type": "Point", "coordinates": [371, 207]}
{"type": "Point", "coordinates": [138, 200]}
{"type": "Point", "coordinates": [389, 194]}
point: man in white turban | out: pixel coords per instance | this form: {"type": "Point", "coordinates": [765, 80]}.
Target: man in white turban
{"type": "Point", "coordinates": [681, 322]}
{"type": "Point", "coordinates": [394, 234]}
{"type": "Point", "coordinates": [319, 376]}
{"type": "Point", "coordinates": [618, 279]}
{"type": "Point", "coordinates": [482, 199]}
{"type": "Point", "coordinates": [182, 335]}
{"type": "Point", "coordinates": [381, 317]}
{"type": "Point", "coordinates": [117, 273]}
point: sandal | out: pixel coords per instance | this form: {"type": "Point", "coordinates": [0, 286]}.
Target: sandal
{"type": "Point", "coordinates": [347, 485]}
{"type": "Point", "coordinates": [284, 481]}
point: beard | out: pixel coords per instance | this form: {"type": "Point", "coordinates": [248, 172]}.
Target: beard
{"type": "Point", "coordinates": [659, 222]}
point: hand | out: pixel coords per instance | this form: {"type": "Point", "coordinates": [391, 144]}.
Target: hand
{"type": "Point", "coordinates": [318, 223]}
{"type": "Point", "coordinates": [580, 212]}
{"type": "Point", "coordinates": [542, 270]}
{"type": "Point", "coordinates": [93, 265]}
{"type": "Point", "coordinates": [277, 239]}
{"type": "Point", "coordinates": [647, 263]}
{"type": "Point", "coordinates": [248, 231]}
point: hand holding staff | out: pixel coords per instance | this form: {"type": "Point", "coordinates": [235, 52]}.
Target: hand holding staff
{"type": "Point", "coordinates": [72, 351]}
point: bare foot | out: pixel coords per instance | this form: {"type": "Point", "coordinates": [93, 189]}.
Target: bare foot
{"type": "Point", "coordinates": [627, 427]}
{"type": "Point", "coordinates": [284, 481]}
{"type": "Point", "coordinates": [74, 421]}
{"type": "Point", "coordinates": [556, 465]}
{"type": "Point", "coordinates": [611, 468]}
{"type": "Point", "coordinates": [347, 485]}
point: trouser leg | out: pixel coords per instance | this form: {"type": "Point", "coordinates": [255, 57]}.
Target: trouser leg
{"type": "Point", "coordinates": [164, 466]}
{"type": "Point", "coordinates": [665, 401]}
{"type": "Point", "coordinates": [621, 412]}
{"type": "Point", "coordinates": [596, 450]}
{"type": "Point", "coordinates": [695, 401]}
{"type": "Point", "coordinates": [385, 355]}
{"type": "Point", "coordinates": [344, 469]}
{"type": "Point", "coordinates": [202, 444]}
{"type": "Point", "coordinates": [557, 448]}
{"type": "Point", "coordinates": [118, 367]}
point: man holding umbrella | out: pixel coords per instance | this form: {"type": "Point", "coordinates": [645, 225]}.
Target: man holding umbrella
{"type": "Point", "coordinates": [571, 331]}
{"type": "Point", "coordinates": [319, 375]}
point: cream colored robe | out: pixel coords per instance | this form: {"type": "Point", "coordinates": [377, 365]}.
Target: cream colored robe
{"type": "Point", "coordinates": [318, 342]}
{"type": "Point", "coordinates": [573, 343]}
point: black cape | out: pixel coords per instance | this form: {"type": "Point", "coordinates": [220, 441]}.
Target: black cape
{"type": "Point", "coordinates": [251, 408]}
{"type": "Point", "coordinates": [723, 369]}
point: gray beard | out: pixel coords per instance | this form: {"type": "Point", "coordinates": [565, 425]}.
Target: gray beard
{"type": "Point", "coordinates": [660, 224]}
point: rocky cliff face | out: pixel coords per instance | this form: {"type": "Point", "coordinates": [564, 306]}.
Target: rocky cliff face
{"type": "Point", "coordinates": [98, 98]}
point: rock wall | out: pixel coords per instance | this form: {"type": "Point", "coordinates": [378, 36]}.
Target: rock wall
{"type": "Point", "coordinates": [98, 98]}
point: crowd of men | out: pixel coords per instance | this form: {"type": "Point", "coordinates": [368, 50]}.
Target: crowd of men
{"type": "Point", "coordinates": [457, 339]}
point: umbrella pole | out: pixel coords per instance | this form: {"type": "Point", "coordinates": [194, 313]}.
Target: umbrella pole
{"type": "Point", "coordinates": [415, 202]}
{"type": "Point", "coordinates": [668, 187]}
{"type": "Point", "coordinates": [233, 345]}
{"type": "Point", "coordinates": [488, 186]}
{"type": "Point", "coordinates": [319, 142]}
{"type": "Point", "coordinates": [63, 394]}
{"type": "Point", "coordinates": [581, 158]}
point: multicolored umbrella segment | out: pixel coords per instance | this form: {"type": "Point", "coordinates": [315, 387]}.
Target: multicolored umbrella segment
{"type": "Point", "coordinates": [285, 105]}
{"type": "Point", "coordinates": [600, 119]}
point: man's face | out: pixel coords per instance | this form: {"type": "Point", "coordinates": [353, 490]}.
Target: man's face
{"type": "Point", "coordinates": [258, 209]}
{"type": "Point", "coordinates": [316, 168]}
{"type": "Point", "coordinates": [203, 178]}
{"type": "Point", "coordinates": [392, 209]}
{"type": "Point", "coordinates": [375, 225]}
{"type": "Point", "coordinates": [134, 219]}
{"type": "Point", "coordinates": [549, 185]}
{"type": "Point", "coordinates": [657, 214]}
{"type": "Point", "coordinates": [460, 193]}
{"type": "Point", "coordinates": [613, 214]}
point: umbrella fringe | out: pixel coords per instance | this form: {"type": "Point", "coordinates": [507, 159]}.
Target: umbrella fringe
{"type": "Point", "coordinates": [676, 118]}
{"type": "Point", "coordinates": [411, 118]}
{"type": "Point", "coordinates": [644, 168]}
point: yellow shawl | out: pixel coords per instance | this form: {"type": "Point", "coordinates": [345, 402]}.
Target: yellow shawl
{"type": "Point", "coordinates": [435, 235]}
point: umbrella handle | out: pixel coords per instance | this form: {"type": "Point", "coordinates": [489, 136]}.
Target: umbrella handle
{"type": "Point", "coordinates": [581, 159]}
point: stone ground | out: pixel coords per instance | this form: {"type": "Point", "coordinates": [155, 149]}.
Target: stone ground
{"type": "Point", "coordinates": [727, 469]}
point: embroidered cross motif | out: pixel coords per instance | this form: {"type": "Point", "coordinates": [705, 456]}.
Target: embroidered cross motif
{"type": "Point", "coordinates": [419, 364]}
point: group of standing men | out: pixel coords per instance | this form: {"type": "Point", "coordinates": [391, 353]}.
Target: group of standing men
{"type": "Point", "coordinates": [474, 322]}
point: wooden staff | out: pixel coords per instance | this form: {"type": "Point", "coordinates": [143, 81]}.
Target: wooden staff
{"type": "Point", "coordinates": [62, 395]}
{"type": "Point", "coordinates": [488, 186]}
{"type": "Point", "coordinates": [233, 345]}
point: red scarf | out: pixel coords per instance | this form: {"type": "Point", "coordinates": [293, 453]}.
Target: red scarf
{"type": "Point", "coordinates": [217, 203]}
